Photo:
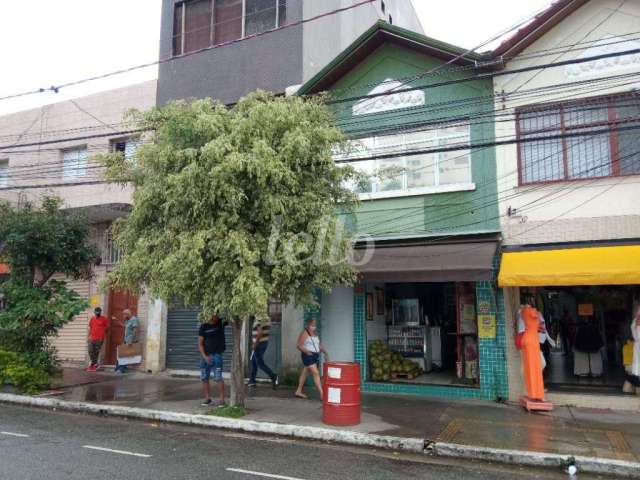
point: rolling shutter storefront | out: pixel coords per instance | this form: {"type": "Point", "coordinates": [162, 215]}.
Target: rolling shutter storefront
{"type": "Point", "coordinates": [182, 340]}
{"type": "Point", "coordinates": [71, 341]}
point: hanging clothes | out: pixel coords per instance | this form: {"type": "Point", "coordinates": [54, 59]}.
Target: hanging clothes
{"type": "Point", "coordinates": [587, 359]}
{"type": "Point", "coordinates": [635, 333]}
{"type": "Point", "coordinates": [588, 339]}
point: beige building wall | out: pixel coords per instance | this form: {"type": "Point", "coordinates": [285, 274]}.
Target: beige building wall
{"type": "Point", "coordinates": [578, 210]}
{"type": "Point", "coordinates": [48, 131]}
{"type": "Point", "coordinates": [584, 210]}
{"type": "Point", "coordinates": [37, 168]}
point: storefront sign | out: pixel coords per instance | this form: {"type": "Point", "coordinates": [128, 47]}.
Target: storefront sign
{"type": "Point", "coordinates": [585, 309]}
{"type": "Point", "coordinates": [484, 307]}
{"type": "Point", "coordinates": [486, 326]}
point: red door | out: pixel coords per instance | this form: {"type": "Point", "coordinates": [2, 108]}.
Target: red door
{"type": "Point", "coordinates": [119, 300]}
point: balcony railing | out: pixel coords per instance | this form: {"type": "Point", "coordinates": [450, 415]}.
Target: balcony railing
{"type": "Point", "coordinates": [111, 254]}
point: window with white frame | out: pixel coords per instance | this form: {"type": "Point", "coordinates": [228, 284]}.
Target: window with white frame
{"type": "Point", "coordinates": [408, 165]}
{"type": "Point", "coordinates": [126, 146]}
{"type": "Point", "coordinates": [4, 172]}
{"type": "Point", "coordinates": [198, 24]}
{"type": "Point", "coordinates": [74, 162]}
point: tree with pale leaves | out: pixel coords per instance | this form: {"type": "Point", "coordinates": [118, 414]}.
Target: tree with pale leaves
{"type": "Point", "coordinates": [234, 206]}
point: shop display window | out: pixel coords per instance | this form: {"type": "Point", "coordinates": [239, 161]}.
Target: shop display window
{"type": "Point", "coordinates": [423, 333]}
{"type": "Point", "coordinates": [587, 332]}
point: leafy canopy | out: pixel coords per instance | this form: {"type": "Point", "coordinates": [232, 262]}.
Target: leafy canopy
{"type": "Point", "coordinates": [235, 205]}
{"type": "Point", "coordinates": [36, 242]}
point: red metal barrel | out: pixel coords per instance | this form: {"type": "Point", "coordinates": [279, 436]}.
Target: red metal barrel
{"type": "Point", "coordinates": [341, 393]}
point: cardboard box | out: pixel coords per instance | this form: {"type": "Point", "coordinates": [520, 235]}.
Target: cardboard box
{"type": "Point", "coordinates": [133, 350]}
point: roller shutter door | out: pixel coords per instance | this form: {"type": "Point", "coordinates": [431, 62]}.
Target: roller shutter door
{"type": "Point", "coordinates": [71, 341]}
{"type": "Point", "coordinates": [182, 340]}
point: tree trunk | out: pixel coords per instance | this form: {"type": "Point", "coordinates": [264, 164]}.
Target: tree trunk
{"type": "Point", "coordinates": [237, 364]}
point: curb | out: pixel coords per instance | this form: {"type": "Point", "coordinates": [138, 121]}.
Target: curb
{"type": "Point", "coordinates": [415, 445]}
{"type": "Point", "coordinates": [606, 466]}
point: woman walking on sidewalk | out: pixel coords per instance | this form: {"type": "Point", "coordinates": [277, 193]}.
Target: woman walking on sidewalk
{"type": "Point", "coordinates": [310, 349]}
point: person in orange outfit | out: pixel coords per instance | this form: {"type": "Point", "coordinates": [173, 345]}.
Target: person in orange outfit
{"type": "Point", "coordinates": [532, 365]}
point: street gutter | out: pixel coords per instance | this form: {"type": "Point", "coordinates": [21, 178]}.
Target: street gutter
{"type": "Point", "coordinates": [619, 468]}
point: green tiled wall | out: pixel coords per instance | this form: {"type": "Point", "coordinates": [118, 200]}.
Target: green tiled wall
{"type": "Point", "coordinates": [360, 333]}
{"type": "Point", "coordinates": [493, 368]}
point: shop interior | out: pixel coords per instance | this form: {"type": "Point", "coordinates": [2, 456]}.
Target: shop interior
{"type": "Point", "coordinates": [422, 333]}
{"type": "Point", "coordinates": [590, 327]}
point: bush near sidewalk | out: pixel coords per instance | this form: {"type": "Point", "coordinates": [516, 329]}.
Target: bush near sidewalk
{"type": "Point", "coordinates": [15, 370]}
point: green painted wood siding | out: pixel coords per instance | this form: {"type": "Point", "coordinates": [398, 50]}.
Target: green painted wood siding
{"type": "Point", "coordinates": [436, 214]}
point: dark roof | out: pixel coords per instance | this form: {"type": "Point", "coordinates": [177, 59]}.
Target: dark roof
{"type": "Point", "coordinates": [541, 24]}
{"type": "Point", "coordinates": [382, 32]}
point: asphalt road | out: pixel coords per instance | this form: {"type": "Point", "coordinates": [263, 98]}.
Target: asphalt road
{"type": "Point", "coordinates": [40, 444]}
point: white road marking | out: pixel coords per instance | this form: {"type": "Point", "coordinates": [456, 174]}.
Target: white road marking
{"type": "Point", "coordinates": [10, 434]}
{"type": "Point", "coordinates": [121, 452]}
{"type": "Point", "coordinates": [260, 474]}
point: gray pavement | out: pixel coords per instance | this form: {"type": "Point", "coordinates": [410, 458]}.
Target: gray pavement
{"type": "Point", "coordinates": [37, 444]}
{"type": "Point", "coordinates": [568, 431]}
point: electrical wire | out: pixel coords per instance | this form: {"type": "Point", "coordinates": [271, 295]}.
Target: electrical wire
{"type": "Point", "coordinates": [57, 88]}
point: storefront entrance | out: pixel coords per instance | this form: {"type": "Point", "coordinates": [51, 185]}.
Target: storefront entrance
{"type": "Point", "coordinates": [422, 333]}
{"type": "Point", "coordinates": [590, 326]}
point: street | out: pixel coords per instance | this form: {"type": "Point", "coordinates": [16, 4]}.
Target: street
{"type": "Point", "coordinates": [36, 444]}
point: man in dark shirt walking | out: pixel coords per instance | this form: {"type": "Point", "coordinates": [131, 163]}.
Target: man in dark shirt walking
{"type": "Point", "coordinates": [211, 344]}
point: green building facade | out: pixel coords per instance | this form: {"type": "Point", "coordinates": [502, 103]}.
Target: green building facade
{"type": "Point", "coordinates": [411, 107]}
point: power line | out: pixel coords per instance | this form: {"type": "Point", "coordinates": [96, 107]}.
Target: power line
{"type": "Point", "coordinates": [532, 54]}
{"type": "Point", "coordinates": [484, 76]}
{"type": "Point", "coordinates": [57, 88]}
{"type": "Point", "coordinates": [570, 186]}
{"type": "Point", "coordinates": [453, 148]}
{"type": "Point", "coordinates": [73, 139]}
{"type": "Point", "coordinates": [86, 112]}
{"type": "Point", "coordinates": [444, 106]}
{"type": "Point", "coordinates": [579, 86]}
{"type": "Point", "coordinates": [602, 22]}
{"type": "Point", "coordinates": [398, 88]}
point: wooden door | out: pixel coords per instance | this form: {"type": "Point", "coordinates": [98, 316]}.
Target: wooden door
{"type": "Point", "coordinates": [119, 300]}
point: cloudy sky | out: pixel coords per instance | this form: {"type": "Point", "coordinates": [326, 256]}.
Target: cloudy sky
{"type": "Point", "coordinates": [49, 43]}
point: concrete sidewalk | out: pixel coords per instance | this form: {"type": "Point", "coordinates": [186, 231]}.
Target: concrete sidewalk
{"type": "Point", "coordinates": [566, 431]}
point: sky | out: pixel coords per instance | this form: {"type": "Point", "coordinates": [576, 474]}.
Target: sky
{"type": "Point", "coordinates": [68, 40]}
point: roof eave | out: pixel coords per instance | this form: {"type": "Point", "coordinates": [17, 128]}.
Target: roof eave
{"type": "Point", "coordinates": [373, 38]}
{"type": "Point", "coordinates": [532, 32]}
